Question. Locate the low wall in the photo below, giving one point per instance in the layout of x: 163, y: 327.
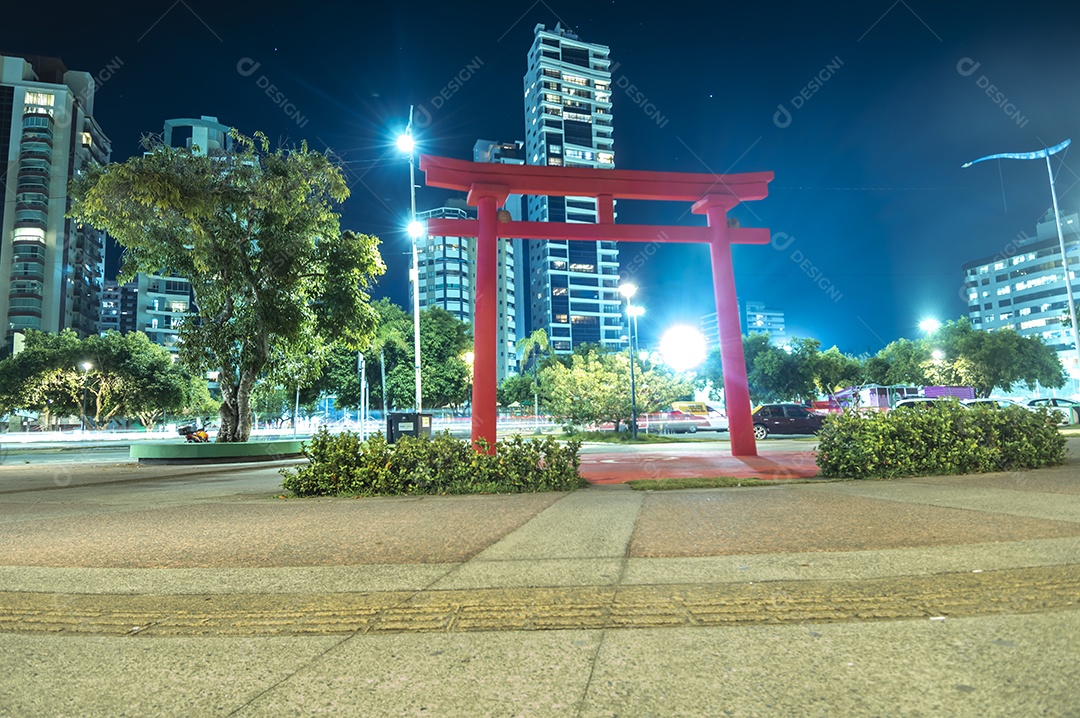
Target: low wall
x: 214, y: 453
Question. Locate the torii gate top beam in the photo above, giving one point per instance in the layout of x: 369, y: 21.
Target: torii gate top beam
x: 466, y: 176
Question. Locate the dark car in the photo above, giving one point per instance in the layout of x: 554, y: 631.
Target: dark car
x: 785, y: 419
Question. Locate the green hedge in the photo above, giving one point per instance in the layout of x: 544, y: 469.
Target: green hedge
x: 341, y: 464
x: 947, y: 438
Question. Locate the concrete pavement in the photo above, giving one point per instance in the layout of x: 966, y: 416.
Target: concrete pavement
x: 138, y: 591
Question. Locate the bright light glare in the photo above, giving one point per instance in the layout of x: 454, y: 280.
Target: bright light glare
x: 628, y: 290
x: 87, y: 366
x: 929, y: 325
x: 405, y: 143
x: 938, y: 355
x: 634, y: 310
x: 416, y: 229
x: 682, y: 348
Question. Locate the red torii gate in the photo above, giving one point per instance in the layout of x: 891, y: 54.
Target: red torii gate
x: 489, y: 184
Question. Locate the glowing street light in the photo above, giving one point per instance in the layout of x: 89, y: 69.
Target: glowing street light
x: 929, y: 325
x: 406, y: 144
x: 938, y: 355
x: 682, y: 348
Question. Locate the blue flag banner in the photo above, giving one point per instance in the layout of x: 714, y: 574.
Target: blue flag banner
x: 1038, y: 155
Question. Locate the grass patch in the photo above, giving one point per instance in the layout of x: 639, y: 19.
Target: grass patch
x: 717, y: 482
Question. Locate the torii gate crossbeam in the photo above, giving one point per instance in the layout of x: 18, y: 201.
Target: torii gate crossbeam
x: 489, y: 184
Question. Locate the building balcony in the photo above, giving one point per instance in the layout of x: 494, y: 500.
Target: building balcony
x: 24, y: 312
x: 32, y: 136
x: 35, y: 111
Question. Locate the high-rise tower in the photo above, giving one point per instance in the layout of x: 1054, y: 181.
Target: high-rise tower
x: 51, y: 268
x: 574, y: 285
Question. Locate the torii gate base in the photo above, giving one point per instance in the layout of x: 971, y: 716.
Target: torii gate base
x: 488, y: 186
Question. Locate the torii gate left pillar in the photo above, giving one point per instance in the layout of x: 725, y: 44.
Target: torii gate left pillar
x: 488, y: 199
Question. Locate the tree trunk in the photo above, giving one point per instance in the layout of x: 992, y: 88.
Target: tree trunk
x: 235, y: 411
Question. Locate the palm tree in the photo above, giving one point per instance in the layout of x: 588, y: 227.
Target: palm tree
x: 530, y: 349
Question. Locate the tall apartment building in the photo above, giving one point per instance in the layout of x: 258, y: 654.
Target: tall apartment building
x: 574, y: 285
x: 762, y: 319
x: 118, y: 306
x: 758, y: 318
x: 149, y: 304
x: 1023, y: 287
x: 51, y: 268
x: 448, y: 280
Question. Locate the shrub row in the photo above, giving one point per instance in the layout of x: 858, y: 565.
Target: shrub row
x: 341, y: 464
x: 943, y: 439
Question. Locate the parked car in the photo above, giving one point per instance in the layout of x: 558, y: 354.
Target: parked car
x: 672, y: 422
x: 916, y: 402
x: 716, y: 419
x: 1069, y: 407
x: 998, y: 403
x: 785, y: 419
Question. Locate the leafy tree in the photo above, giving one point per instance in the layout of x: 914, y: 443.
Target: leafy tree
x: 271, y: 402
x: 775, y: 374
x: 120, y: 375
x: 444, y: 375
x: 901, y: 363
x: 391, y: 338
x: 588, y: 391
x: 516, y: 388
x: 44, y: 376
x: 595, y: 389
x: 531, y: 352
x: 987, y: 360
x: 274, y: 278
x: 834, y: 371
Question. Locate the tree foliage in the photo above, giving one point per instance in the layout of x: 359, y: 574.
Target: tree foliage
x: 955, y: 355
x: 120, y: 375
x: 444, y: 375
x: 986, y: 361
x: 255, y: 232
x: 776, y: 374
x: 594, y: 388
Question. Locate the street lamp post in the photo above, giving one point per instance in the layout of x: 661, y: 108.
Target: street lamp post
x: 1045, y: 154
x: 406, y: 144
x: 86, y: 367
x: 632, y: 313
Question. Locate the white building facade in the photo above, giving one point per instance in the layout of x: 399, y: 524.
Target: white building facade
x: 150, y: 304
x: 51, y: 268
x: 448, y: 280
x: 1023, y: 287
x: 573, y: 285
x: 763, y: 319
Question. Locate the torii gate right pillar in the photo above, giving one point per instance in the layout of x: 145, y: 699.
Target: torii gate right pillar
x: 732, y: 358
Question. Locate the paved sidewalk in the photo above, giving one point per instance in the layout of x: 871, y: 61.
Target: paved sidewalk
x: 193, y: 591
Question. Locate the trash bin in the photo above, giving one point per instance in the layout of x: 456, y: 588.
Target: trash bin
x: 399, y: 424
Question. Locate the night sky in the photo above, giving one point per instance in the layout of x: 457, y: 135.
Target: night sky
x: 882, y: 103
